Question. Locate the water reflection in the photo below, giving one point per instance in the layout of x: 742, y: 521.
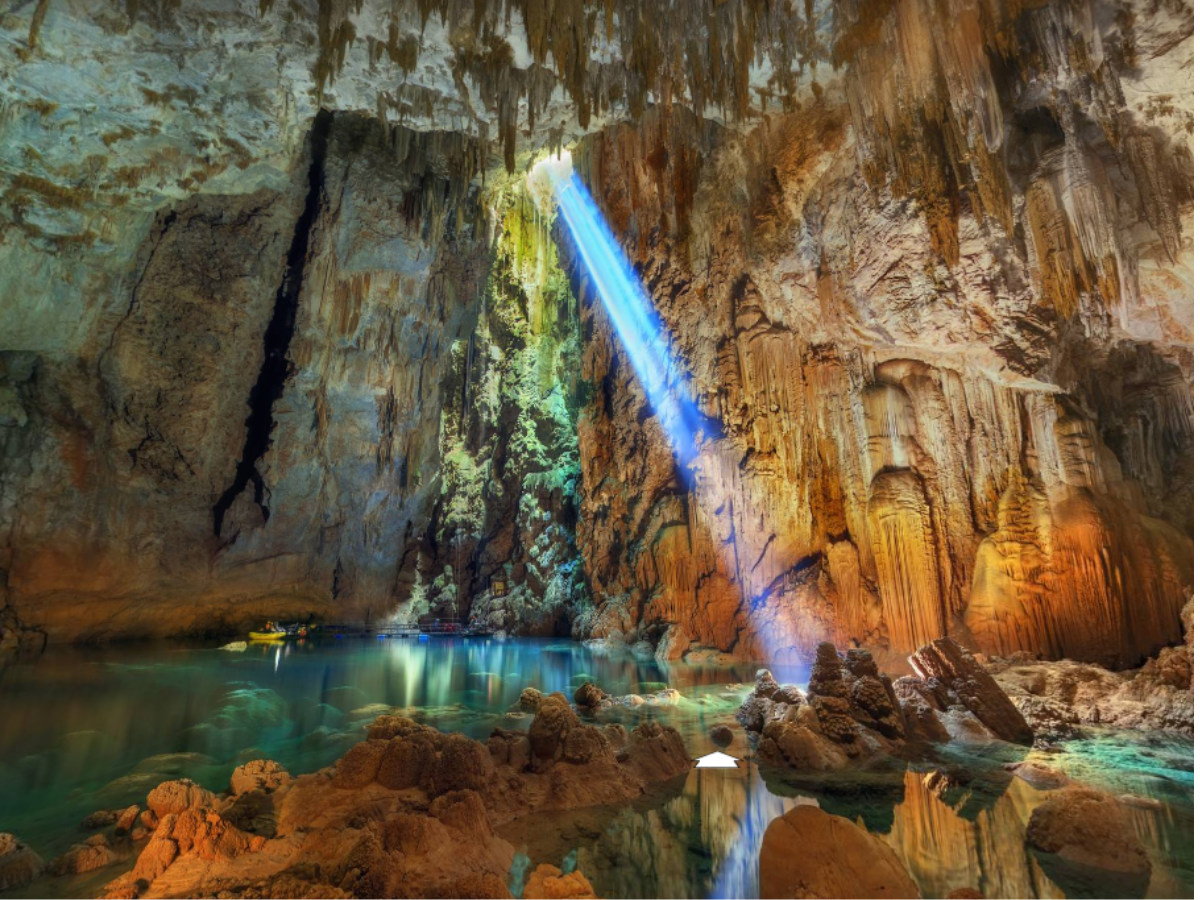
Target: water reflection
x: 703, y: 837
x: 91, y: 727
x: 85, y: 729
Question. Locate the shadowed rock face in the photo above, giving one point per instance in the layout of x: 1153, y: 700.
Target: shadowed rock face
x: 226, y: 442
x: 927, y: 279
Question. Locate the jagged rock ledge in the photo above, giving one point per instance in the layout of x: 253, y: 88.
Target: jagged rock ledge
x: 409, y: 811
x: 852, y: 714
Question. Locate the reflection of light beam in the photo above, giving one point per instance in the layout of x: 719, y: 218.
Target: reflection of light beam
x: 738, y: 872
x: 633, y: 317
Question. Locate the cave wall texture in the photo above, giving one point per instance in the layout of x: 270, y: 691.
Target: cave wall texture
x: 282, y: 331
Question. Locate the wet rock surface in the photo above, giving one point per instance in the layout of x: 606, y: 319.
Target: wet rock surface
x: 410, y: 810
x: 809, y: 853
x: 953, y: 668
x: 19, y: 864
x: 1088, y: 844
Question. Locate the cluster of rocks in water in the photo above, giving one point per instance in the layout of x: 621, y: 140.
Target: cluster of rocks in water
x: 852, y: 715
x: 852, y: 712
x: 410, y: 811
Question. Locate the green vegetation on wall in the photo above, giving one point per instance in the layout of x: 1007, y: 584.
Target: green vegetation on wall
x: 505, y: 528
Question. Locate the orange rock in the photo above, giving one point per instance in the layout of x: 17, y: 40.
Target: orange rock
x: 177, y: 796
x: 549, y: 883
x: 258, y: 775
x: 809, y: 853
x: 19, y: 864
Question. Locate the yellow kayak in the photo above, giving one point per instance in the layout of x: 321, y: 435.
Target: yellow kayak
x: 267, y: 635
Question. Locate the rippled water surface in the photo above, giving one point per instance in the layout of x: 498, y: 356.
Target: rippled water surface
x: 90, y: 729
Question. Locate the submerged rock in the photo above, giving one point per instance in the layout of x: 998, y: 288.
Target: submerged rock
x: 1089, y: 845
x: 408, y: 812
x: 19, y: 864
x: 588, y: 696
x: 807, y: 853
x: 721, y: 735
x: 101, y: 818
x: 94, y: 853
x: 1040, y: 775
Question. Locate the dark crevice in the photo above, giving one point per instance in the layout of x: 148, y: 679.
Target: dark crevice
x: 277, y: 338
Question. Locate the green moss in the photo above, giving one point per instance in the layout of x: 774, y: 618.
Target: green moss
x: 510, y: 452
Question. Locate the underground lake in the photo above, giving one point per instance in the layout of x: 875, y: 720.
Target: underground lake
x: 98, y: 728
x: 564, y: 449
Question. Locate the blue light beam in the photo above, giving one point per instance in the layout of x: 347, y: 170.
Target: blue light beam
x: 637, y: 325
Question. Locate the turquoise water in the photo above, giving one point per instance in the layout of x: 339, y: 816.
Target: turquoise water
x: 85, y: 729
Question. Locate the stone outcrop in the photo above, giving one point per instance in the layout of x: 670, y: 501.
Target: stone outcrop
x: 809, y: 853
x: 849, y: 716
x: 1087, y: 842
x: 19, y: 864
x: 954, y: 669
x: 1058, y: 697
x: 410, y: 811
x: 172, y: 797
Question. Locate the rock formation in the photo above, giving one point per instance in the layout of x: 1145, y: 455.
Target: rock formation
x: 294, y: 339
x: 867, y: 479
x: 408, y: 812
x: 1087, y: 843
x: 1057, y: 697
x: 809, y: 853
x: 851, y: 714
x: 952, y: 668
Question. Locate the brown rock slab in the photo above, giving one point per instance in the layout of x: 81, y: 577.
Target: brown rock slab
x: 19, y: 864
x: 808, y: 853
x: 952, y: 666
x: 1088, y: 844
x: 127, y: 819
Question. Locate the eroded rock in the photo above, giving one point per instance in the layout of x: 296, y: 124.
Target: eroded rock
x: 1088, y: 843
x: 409, y: 811
x: 961, y: 674
x: 19, y: 864
x: 258, y: 775
x: 808, y: 853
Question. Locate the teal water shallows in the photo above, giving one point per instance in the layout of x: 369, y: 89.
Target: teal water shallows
x: 85, y: 729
